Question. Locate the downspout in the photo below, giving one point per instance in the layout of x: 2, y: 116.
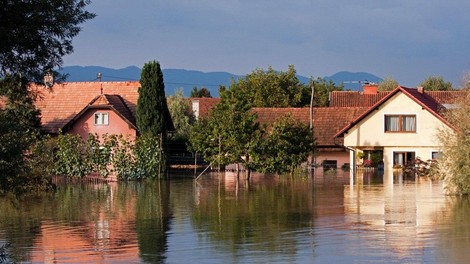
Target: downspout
x: 354, y: 155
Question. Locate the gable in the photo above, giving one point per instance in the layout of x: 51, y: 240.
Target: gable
x: 63, y: 102
x: 369, y: 129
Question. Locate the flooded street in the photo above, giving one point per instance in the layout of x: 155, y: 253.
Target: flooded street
x: 218, y: 219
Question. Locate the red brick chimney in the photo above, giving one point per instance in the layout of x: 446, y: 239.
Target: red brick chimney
x: 370, y: 88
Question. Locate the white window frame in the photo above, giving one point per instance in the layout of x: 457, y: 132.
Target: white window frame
x: 101, y: 118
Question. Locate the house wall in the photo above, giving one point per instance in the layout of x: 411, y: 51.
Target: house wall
x: 340, y: 156
x: 116, y: 125
x: 370, y: 132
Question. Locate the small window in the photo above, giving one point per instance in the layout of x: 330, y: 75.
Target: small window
x: 101, y: 119
x: 436, y: 155
x: 330, y: 164
x: 400, y: 123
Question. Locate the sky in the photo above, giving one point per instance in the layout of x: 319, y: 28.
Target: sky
x: 407, y: 40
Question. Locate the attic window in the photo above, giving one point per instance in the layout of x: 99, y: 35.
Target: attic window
x: 101, y: 119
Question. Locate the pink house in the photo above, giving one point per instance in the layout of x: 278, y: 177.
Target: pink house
x: 90, y: 107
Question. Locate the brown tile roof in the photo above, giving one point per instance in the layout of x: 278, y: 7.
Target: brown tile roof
x: 206, y: 104
x: 359, y: 99
x: 424, y: 99
x: 354, y: 99
x: 329, y: 120
x: 326, y: 120
x: 267, y: 115
x: 61, y: 104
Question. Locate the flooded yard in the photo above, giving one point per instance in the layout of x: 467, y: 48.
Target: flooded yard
x: 322, y: 218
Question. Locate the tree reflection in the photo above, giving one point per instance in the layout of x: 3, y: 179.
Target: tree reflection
x: 153, y: 217
x: 263, y: 216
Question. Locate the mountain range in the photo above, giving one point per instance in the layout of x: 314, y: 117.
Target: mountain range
x: 175, y: 79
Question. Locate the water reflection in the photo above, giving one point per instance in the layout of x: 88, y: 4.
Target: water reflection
x: 322, y: 218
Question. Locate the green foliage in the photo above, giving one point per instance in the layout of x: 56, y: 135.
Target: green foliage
x: 70, y: 156
x: 321, y: 91
x: 181, y: 114
x: 99, y: 153
x: 19, y: 129
x: 436, y: 83
x: 37, y: 34
x: 271, y: 88
x: 111, y: 154
x: 388, y: 84
x: 231, y: 133
x: 151, y: 105
x: 454, y: 166
x: 228, y: 134
x: 285, y: 147
x: 200, y: 93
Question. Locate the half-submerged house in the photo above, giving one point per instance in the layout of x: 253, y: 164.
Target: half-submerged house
x: 91, y: 107
x: 399, y: 126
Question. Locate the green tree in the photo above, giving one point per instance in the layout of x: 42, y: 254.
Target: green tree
x: 272, y: 88
x: 200, y: 93
x: 321, y: 91
x: 388, y: 84
x: 228, y: 135
x: 151, y: 117
x: 285, y: 147
x: 232, y: 134
x: 151, y: 104
x: 35, y: 36
x: 454, y: 166
x: 181, y: 114
x: 436, y: 83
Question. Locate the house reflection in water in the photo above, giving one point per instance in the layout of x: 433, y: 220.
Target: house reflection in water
x: 401, y: 212
x: 95, y: 238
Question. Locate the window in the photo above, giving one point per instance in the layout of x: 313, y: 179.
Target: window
x: 101, y: 118
x: 400, y: 123
x: 330, y: 164
x: 436, y: 155
x: 401, y: 159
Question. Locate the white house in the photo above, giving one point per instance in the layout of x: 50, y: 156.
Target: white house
x: 400, y: 127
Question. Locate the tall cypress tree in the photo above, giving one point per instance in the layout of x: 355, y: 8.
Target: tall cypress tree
x: 152, y: 102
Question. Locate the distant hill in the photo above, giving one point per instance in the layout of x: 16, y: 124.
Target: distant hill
x: 186, y: 79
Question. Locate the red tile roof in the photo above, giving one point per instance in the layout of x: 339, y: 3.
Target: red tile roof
x: 326, y: 120
x: 424, y: 99
x: 206, y: 104
x: 359, y: 99
x: 63, y: 102
x: 267, y: 115
x: 354, y: 99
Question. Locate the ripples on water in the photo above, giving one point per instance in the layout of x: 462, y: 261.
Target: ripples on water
x: 321, y: 219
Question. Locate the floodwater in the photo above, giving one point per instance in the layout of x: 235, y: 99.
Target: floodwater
x: 326, y: 218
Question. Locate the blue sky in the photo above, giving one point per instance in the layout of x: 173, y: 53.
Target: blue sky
x: 407, y: 40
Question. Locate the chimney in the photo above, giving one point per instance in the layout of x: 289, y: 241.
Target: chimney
x: 420, y: 89
x: 370, y: 88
